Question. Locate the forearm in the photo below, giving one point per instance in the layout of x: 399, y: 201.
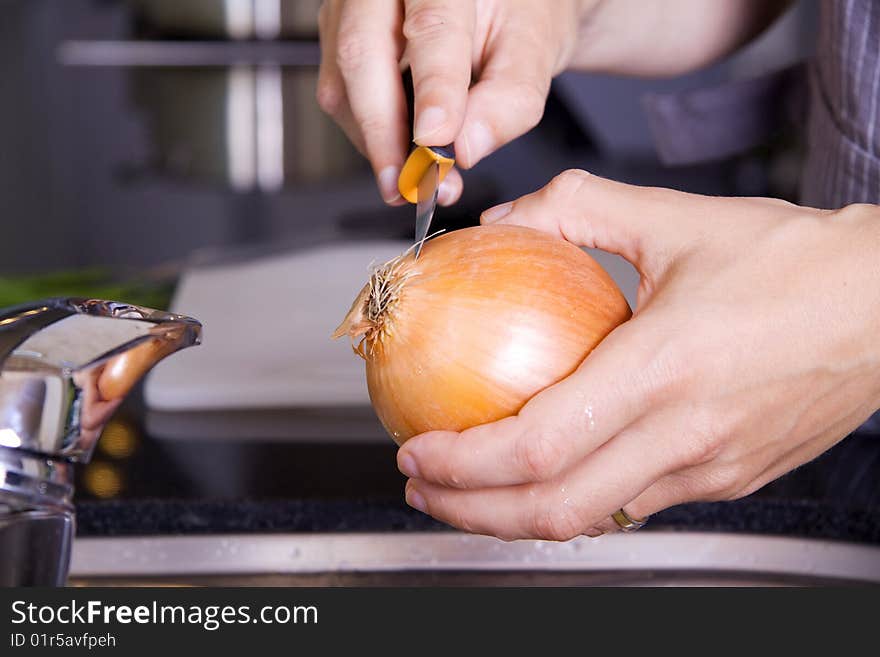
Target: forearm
x: 666, y: 38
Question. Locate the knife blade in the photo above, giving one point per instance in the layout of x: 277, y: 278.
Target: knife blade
x: 426, y: 204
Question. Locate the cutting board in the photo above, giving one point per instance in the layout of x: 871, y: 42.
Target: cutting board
x: 267, y: 325
x: 266, y: 337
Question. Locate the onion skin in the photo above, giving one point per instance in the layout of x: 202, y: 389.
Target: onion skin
x: 486, y: 318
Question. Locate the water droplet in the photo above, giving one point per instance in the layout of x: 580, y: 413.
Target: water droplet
x: 591, y: 421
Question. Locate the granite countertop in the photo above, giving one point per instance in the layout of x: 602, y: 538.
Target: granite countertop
x: 802, y: 518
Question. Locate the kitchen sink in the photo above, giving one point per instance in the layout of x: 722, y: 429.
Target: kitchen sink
x: 649, y: 558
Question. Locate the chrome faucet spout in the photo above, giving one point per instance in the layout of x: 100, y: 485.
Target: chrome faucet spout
x: 65, y: 366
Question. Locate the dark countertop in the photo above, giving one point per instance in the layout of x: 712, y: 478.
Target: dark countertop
x: 802, y: 518
x: 202, y: 486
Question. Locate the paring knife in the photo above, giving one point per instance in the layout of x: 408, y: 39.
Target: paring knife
x: 419, y: 179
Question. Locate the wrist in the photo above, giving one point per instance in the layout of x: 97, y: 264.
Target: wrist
x: 593, y: 49
x: 577, y: 16
x: 865, y: 222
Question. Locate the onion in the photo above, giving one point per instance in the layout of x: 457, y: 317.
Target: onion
x: 484, y: 319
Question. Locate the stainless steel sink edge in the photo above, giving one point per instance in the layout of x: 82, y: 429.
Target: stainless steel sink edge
x: 293, y: 554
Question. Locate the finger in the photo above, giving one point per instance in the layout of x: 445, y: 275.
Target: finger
x: 439, y: 42
x: 509, y: 98
x: 330, y: 91
x: 670, y: 490
x: 342, y: 115
x: 616, y: 473
x: 645, y: 225
x: 720, y: 480
x: 450, y: 189
x: 501, y: 512
x: 368, y: 48
x: 554, y: 430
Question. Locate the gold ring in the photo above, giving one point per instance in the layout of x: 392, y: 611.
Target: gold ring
x: 626, y: 522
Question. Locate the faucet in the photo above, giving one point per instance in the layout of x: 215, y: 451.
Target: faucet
x: 66, y: 364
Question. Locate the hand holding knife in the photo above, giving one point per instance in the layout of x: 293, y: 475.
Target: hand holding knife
x: 421, y: 175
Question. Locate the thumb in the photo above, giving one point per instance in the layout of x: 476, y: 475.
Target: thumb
x: 642, y: 224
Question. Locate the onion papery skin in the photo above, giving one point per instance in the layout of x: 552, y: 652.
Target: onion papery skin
x: 482, y: 321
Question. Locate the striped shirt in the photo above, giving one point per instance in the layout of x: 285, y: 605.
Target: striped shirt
x: 843, y: 138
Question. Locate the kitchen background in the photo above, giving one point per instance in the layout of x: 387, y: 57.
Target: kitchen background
x: 154, y: 146
x: 172, y: 154
x: 108, y: 161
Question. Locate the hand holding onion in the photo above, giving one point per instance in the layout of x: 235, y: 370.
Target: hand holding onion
x: 753, y: 350
x: 481, y: 322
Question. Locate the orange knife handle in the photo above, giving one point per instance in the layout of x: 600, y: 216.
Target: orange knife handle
x: 420, y: 158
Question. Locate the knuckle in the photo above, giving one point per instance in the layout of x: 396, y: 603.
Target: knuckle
x: 425, y: 22
x: 667, y: 373
x: 557, y: 523
x: 855, y: 212
x: 567, y: 184
x: 532, y: 100
x: 438, y: 83
x: 374, y: 127
x: 705, y: 439
x: 449, y: 476
x: 683, y: 486
x: 330, y: 97
x: 352, y: 49
x: 539, y: 455
x: 726, y: 483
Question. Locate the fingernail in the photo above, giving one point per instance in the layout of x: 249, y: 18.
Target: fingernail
x: 414, y: 498
x: 429, y: 121
x: 497, y: 213
x: 478, y: 142
x: 444, y: 194
x: 387, y: 180
x: 407, y: 465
